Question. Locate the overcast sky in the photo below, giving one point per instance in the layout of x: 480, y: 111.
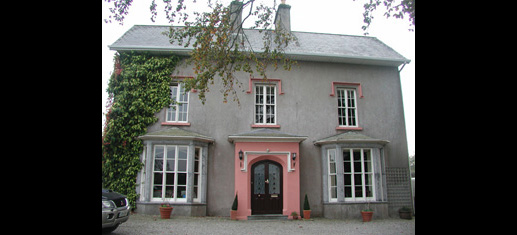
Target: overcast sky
x: 323, y: 16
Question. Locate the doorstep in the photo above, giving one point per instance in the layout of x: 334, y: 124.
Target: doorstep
x: 267, y: 217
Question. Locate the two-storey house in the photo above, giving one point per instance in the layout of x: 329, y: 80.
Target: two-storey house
x: 332, y: 128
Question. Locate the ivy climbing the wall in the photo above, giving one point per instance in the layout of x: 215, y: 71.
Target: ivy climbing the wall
x: 138, y: 88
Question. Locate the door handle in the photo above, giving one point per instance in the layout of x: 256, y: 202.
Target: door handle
x: 267, y: 181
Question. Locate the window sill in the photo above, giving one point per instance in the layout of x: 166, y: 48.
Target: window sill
x: 265, y: 126
x: 171, y: 203
x: 175, y: 123
x: 356, y: 202
x: 349, y: 128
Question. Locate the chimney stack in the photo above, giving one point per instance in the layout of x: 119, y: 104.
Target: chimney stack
x: 236, y: 15
x: 283, y: 17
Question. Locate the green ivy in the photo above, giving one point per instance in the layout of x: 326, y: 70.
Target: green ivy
x: 138, y: 88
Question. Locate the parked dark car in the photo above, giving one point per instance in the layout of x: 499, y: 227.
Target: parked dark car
x: 115, y: 210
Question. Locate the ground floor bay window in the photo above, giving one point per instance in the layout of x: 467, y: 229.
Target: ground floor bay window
x: 358, y: 175
x: 170, y: 173
x: 354, y: 170
x: 352, y: 174
x: 174, y: 172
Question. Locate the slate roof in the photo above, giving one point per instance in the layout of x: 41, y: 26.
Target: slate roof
x: 175, y: 133
x: 310, y: 46
x: 349, y: 137
x: 266, y: 135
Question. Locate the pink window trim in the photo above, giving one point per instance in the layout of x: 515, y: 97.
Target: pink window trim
x: 265, y: 126
x: 360, y: 89
x: 269, y: 79
x: 349, y: 128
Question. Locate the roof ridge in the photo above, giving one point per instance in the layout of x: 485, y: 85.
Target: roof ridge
x: 296, y: 31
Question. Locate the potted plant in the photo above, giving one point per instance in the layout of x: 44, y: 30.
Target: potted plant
x: 367, y: 214
x: 405, y: 213
x: 306, y: 208
x: 294, y: 214
x: 165, y: 211
x: 233, y: 213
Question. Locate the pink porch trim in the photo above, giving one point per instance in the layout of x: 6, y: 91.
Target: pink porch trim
x: 360, y: 89
x: 250, y: 88
x: 279, y: 152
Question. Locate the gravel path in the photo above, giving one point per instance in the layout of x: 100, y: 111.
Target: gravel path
x: 147, y: 224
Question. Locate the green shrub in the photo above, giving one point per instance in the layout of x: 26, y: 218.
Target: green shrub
x: 306, y: 205
x: 235, y: 203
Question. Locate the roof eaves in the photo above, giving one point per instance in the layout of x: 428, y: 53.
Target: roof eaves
x: 164, y: 137
x: 175, y: 133
x: 350, y: 141
x: 148, y: 48
x: 349, y: 137
x: 348, y: 59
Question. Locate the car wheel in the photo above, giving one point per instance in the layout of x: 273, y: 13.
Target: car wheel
x: 110, y: 229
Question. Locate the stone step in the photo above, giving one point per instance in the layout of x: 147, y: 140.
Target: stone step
x: 267, y: 217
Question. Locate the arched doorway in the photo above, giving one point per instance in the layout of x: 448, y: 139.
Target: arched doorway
x: 266, y: 188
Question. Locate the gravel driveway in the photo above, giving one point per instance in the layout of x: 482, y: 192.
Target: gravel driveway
x: 147, y: 224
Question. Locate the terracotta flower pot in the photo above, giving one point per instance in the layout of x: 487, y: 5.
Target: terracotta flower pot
x: 306, y: 214
x: 405, y: 214
x: 233, y: 215
x: 367, y: 216
x: 165, y: 212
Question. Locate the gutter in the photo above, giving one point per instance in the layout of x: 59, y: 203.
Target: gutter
x: 351, y: 141
x: 346, y: 59
x: 317, y: 57
x: 403, y: 65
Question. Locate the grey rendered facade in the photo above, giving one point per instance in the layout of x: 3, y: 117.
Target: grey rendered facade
x: 307, y: 106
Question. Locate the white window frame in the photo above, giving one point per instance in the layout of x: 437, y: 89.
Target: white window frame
x: 197, y: 197
x: 173, y: 113
x: 353, y: 171
x: 164, y: 171
x: 330, y: 174
x: 346, y: 108
x: 264, y: 104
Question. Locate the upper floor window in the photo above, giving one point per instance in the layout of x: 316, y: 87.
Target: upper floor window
x: 265, y: 104
x: 346, y: 107
x: 179, y: 111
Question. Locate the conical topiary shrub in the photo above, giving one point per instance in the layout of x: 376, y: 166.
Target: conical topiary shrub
x: 233, y: 213
x: 306, y: 208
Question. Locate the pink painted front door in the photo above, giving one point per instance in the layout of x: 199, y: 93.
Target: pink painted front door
x: 266, y: 188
